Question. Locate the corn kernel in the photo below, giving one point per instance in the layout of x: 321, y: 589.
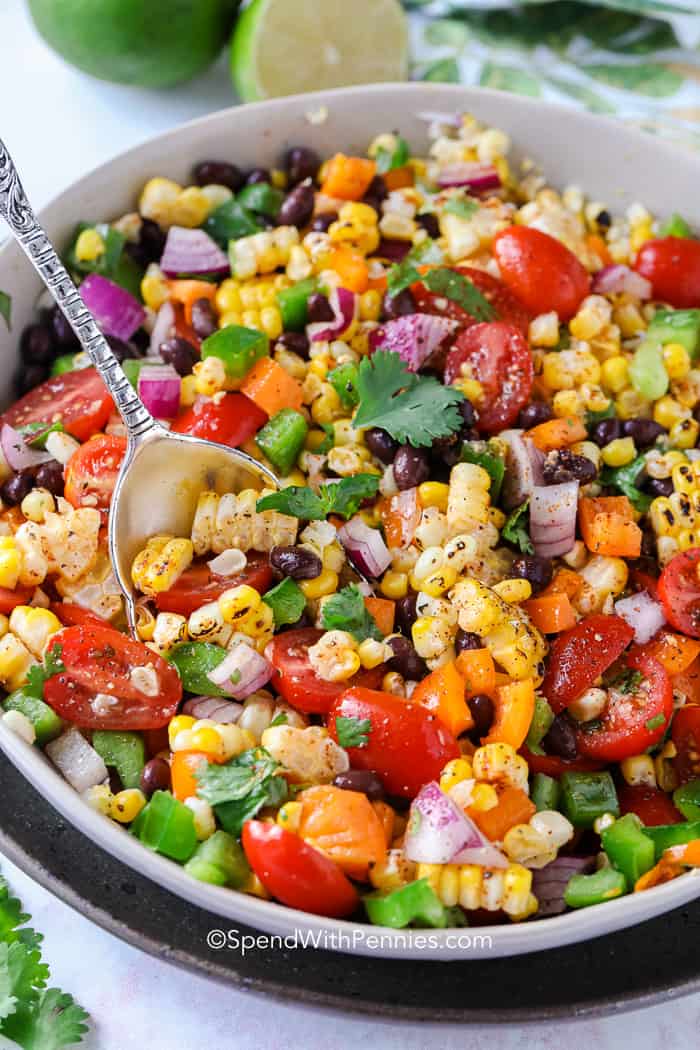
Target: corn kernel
x: 567, y: 403
x: 514, y: 590
x: 207, y: 740
x: 614, y: 374
x: 154, y: 289
x: 289, y: 816
x: 394, y: 585
x: 178, y: 724
x: 237, y: 603
x: 433, y: 494
x: 10, y: 562
x: 191, y: 208
x: 372, y: 653
x: 639, y: 769
x: 684, y: 433
x: 321, y: 586
x: 668, y: 411
x: 456, y: 770
x: 228, y: 296
x: 89, y: 246
x: 204, y: 820
x: 484, y: 798
x: 676, y: 360
x: 439, y: 581
x: 619, y: 452
x: 99, y: 797
x: 126, y: 805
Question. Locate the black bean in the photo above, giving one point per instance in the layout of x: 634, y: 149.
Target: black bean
x: 16, y: 487
x: 36, y: 346
x: 203, y: 318
x: 363, y: 780
x: 256, y: 175
x: 399, y: 305
x: 29, y: 376
x: 531, y: 567
x: 533, y: 414
x: 376, y: 193
x: 406, y: 614
x: 561, y: 738
x: 482, y: 711
x: 658, y: 486
x: 141, y: 340
x: 466, y: 641
x: 563, y: 465
x: 155, y: 776
x: 323, y: 220
x: 297, y: 342
x: 297, y: 207
x: 466, y: 410
x: 447, y: 455
x: 218, y: 173
x: 179, y: 353
x: 297, y: 562
x: 63, y: 334
x: 151, y: 240
x: 605, y: 431
x: 604, y: 218
x: 318, y: 308
x: 411, y: 467
x: 50, y: 476
x: 301, y: 163
x: 406, y: 660
x: 121, y: 349
x: 643, y: 432
x: 429, y: 222
x: 381, y: 444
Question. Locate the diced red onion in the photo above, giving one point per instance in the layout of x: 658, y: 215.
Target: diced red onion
x: 486, y: 856
x: 414, y: 337
x: 17, y: 452
x: 159, y: 389
x: 213, y: 707
x: 439, y: 832
x: 549, y: 883
x: 254, y: 671
x: 553, y: 518
x: 192, y: 252
x: 228, y: 562
x: 163, y: 328
x: 392, y: 249
x: 365, y: 547
x: 644, y: 615
x: 472, y: 174
x: 115, y: 310
x: 76, y: 760
x: 344, y: 306
x: 523, y: 468
x: 618, y: 278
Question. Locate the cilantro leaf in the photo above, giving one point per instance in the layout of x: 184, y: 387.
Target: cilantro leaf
x: 460, y: 290
x: 241, y: 787
x: 625, y: 479
x: 412, y: 408
x: 346, y: 611
x: 39, y: 674
x: 352, y: 732
x: 6, y: 309
x: 287, y: 602
x: 280, y: 719
x: 655, y: 723
x: 463, y: 207
x: 628, y: 681
x: 403, y: 274
x: 387, y: 160
x: 296, y: 500
x: 515, y: 530
x: 480, y: 452
x: 53, y: 1022
x: 329, y: 440
x: 341, y: 497
x: 22, y: 975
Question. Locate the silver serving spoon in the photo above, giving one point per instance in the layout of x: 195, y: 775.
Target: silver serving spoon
x: 163, y: 473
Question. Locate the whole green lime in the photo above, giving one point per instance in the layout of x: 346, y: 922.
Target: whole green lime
x: 148, y: 43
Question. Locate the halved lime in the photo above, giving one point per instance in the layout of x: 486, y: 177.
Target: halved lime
x: 281, y: 47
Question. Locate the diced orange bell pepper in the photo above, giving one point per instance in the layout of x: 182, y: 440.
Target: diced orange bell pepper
x: 386, y: 816
x: 598, y: 247
x: 565, y: 581
x: 663, y: 871
x: 271, y: 388
x: 382, y: 611
x: 515, y: 706
x: 378, y: 284
x: 478, y: 670
x: 442, y: 692
x: 400, y: 516
x: 514, y: 807
x: 343, y: 825
x: 182, y: 768
x: 187, y: 291
x: 350, y: 267
x: 348, y: 177
x: 399, y: 178
x: 608, y: 527
x: 687, y: 853
x: 688, y: 682
x: 557, y: 433
x: 550, y: 613
x: 674, y: 651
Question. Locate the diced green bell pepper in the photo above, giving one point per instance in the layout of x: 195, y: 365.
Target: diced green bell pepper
x: 293, y: 303
x: 47, y: 724
x: 230, y: 221
x: 676, y: 326
x: 603, y: 885
x: 586, y: 796
x: 166, y: 826
x: 343, y: 379
x: 686, y: 798
x: 282, y: 438
x: 219, y: 860
x: 239, y: 348
x: 40, y: 431
x: 132, y: 367
x: 287, y: 602
x: 628, y: 848
x: 545, y: 793
x: 666, y: 835
x: 194, y: 661
x: 123, y: 750
x: 62, y: 364
x: 542, y: 719
x: 262, y: 198
x: 416, y: 902
x: 676, y: 227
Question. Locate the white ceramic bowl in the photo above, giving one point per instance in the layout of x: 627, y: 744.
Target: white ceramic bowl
x: 610, y: 162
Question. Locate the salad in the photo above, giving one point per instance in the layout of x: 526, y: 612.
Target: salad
x: 448, y: 672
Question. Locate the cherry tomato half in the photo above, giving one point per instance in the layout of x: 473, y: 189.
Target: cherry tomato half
x: 500, y: 359
x: 295, y: 873
x: 541, y: 271
x: 553, y: 766
x: 91, y: 472
x: 407, y: 745
x: 685, y: 734
x: 679, y: 591
x: 634, y: 720
x: 295, y: 679
x: 9, y: 600
x: 199, y: 585
x: 579, y: 656
x: 78, y: 399
x: 652, y: 805
x: 230, y: 421
x: 672, y: 264
x: 72, y: 615
x: 102, y: 660
x: 507, y: 307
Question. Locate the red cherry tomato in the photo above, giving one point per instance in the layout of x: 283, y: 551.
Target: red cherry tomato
x: 199, y: 585
x: 9, y: 600
x: 295, y: 679
x: 672, y: 264
x: 652, y: 806
x: 679, y: 591
x: 91, y: 472
x: 72, y: 615
x: 101, y: 660
x: 541, y: 271
x: 508, y: 308
x: 644, y: 581
x: 297, y: 874
x: 553, y: 766
x: 685, y: 734
x: 407, y: 746
x: 78, y: 399
x: 230, y: 421
x: 632, y: 721
x: 579, y: 656
x: 500, y: 359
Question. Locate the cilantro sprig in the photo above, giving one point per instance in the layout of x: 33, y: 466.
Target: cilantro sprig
x: 39, y: 674
x: 411, y: 408
x: 240, y: 788
x: 625, y: 479
x: 516, y: 531
x: 460, y: 290
x: 387, y: 160
x: 352, y: 732
x: 403, y: 274
x: 343, y: 497
x: 346, y: 611
x: 461, y: 206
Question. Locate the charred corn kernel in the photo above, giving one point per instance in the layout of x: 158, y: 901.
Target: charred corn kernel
x: 10, y: 562
x: 523, y: 844
x: 334, y: 657
x: 473, y: 887
x: 567, y: 403
x: 513, y: 641
x: 629, y: 404
x: 603, y: 576
x: 178, y: 724
x: 434, y: 494
x: 392, y: 872
x: 326, y: 583
x: 169, y: 630
x: 661, y: 464
x: 237, y: 603
x: 34, y: 627
x: 668, y: 411
x: 437, y: 583
x: 209, y: 376
x: 684, y: 433
x: 308, y: 755
x: 89, y: 246
x: 544, y: 330
x: 347, y: 460
x: 431, y: 636
x: 629, y: 319
x: 327, y: 407
x: 99, y: 797
x: 614, y: 374
x: 157, y: 568
x: 619, y: 452
x: 370, y: 305
x: 394, y: 585
x: 484, y: 798
x: 567, y: 369
x: 372, y: 653
x: 154, y: 288
x: 500, y: 763
x: 639, y: 769
x: 676, y: 360
x: 126, y: 805
x: 456, y: 770
x: 289, y: 816
x: 514, y: 590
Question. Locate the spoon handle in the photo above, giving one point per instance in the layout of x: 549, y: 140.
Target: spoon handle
x: 30, y: 235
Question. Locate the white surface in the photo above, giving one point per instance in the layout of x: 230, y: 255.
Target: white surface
x: 58, y: 124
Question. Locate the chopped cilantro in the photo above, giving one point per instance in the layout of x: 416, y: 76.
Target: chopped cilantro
x: 329, y: 440
x: 352, y: 732
x: 463, y: 207
x: 604, y: 413
x: 6, y: 309
x: 628, y: 681
x: 460, y: 290
x: 346, y: 611
x: 412, y: 408
x: 625, y: 479
x: 515, y: 529
x: 280, y: 719
x: 342, y: 497
x: 387, y: 160
x: 241, y: 787
x: 480, y: 452
x: 655, y: 723
x: 287, y: 602
x: 427, y: 253
x: 38, y: 674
